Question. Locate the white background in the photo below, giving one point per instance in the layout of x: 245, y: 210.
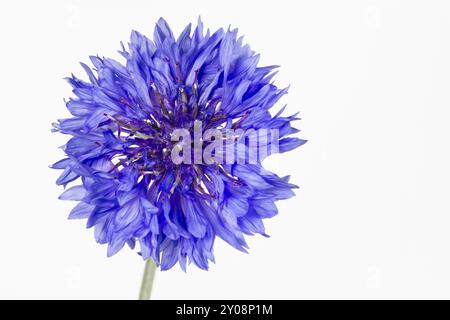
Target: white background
x: 371, y: 80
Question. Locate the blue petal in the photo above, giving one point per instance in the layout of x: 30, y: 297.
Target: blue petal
x: 76, y: 193
x: 162, y: 32
x: 236, y: 206
x: 61, y: 164
x: 81, y: 211
x: 265, y: 208
x: 170, y: 255
x: 249, y: 177
x: 128, y: 212
x: 195, y: 223
x: 115, y: 246
x: 89, y: 73
x: 67, y: 176
x: 288, y: 144
x: 79, y: 108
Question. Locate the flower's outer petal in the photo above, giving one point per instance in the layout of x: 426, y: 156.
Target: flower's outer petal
x: 226, y: 51
x: 250, y: 177
x: 184, y: 39
x: 162, y: 32
x: 251, y: 223
x: 204, y: 54
x: 170, y: 229
x: 81, y: 211
x: 76, y: 193
x: 94, y: 119
x: 61, y: 164
x: 237, y: 206
x: 196, y: 225
x: 89, y: 73
x: 288, y: 144
x: 128, y: 212
x: 79, y: 108
x: 265, y: 208
x: 220, y: 229
x: 140, y: 84
x: 114, y: 247
x: 68, y: 175
x: 170, y: 255
x: 70, y: 125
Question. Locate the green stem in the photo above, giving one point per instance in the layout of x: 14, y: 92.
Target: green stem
x: 147, y: 280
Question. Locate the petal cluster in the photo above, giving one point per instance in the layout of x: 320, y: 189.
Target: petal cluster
x: 118, y: 158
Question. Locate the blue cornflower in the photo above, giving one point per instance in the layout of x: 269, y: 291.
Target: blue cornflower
x: 121, y: 147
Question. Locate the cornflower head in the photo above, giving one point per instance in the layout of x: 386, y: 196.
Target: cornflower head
x: 167, y: 148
